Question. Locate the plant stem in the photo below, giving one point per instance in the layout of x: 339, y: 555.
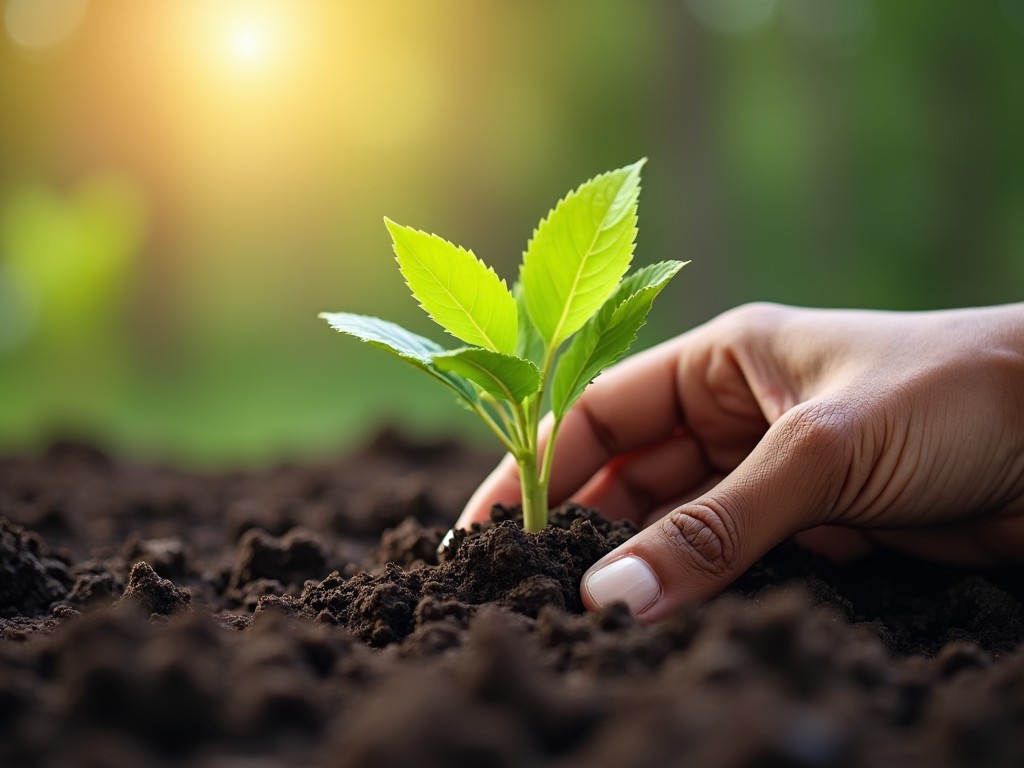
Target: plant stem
x: 549, y: 454
x: 533, y: 479
x: 511, y: 425
x: 535, y: 493
x: 497, y: 430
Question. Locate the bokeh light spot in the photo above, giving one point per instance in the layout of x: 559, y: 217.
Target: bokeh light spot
x: 41, y: 24
x: 733, y: 17
x: 829, y: 19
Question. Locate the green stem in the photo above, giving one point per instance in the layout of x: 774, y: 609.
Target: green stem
x: 549, y: 454
x: 535, y: 494
x: 526, y: 429
x: 497, y: 430
x: 533, y: 479
x: 513, y: 426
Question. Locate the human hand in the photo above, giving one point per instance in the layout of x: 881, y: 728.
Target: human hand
x: 853, y: 427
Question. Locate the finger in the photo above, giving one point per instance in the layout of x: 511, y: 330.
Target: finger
x: 630, y: 406
x: 790, y: 482
x: 634, y: 484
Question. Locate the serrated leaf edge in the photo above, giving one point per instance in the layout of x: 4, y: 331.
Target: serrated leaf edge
x: 491, y: 344
x: 639, y: 164
x: 607, y: 320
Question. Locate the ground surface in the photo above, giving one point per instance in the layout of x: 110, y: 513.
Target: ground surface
x: 299, y: 616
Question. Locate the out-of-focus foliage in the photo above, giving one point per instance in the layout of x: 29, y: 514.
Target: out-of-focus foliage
x: 184, y: 185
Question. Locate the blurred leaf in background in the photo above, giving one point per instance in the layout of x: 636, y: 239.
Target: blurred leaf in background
x: 70, y: 256
x: 184, y: 185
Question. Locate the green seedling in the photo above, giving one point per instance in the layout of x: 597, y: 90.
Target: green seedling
x: 537, y: 346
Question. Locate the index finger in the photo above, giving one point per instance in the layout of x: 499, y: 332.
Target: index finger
x: 629, y: 406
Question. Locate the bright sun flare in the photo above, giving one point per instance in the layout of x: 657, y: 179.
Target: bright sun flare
x: 249, y: 42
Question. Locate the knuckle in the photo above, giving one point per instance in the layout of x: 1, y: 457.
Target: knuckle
x: 754, y: 314
x: 822, y: 428
x: 820, y: 439
x: 747, y: 325
x: 704, y: 537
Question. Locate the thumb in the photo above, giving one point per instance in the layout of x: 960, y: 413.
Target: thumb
x: 791, y: 481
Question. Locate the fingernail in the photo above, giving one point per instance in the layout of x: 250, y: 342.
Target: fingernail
x: 446, y: 540
x: 628, y: 579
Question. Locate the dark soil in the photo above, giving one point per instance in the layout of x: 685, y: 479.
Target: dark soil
x: 300, y: 616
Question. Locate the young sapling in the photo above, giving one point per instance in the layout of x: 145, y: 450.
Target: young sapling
x: 537, y: 346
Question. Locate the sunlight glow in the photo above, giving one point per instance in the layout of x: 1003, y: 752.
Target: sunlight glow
x: 249, y: 42
x: 247, y: 36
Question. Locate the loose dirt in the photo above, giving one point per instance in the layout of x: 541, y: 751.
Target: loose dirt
x: 301, y: 616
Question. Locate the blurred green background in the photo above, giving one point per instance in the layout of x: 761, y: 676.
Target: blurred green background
x: 183, y: 186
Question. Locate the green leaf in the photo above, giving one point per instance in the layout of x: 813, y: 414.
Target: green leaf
x: 407, y: 345
x: 459, y: 292
x: 607, y: 336
x: 385, y: 334
x: 529, y: 344
x: 578, y: 254
x: 506, y: 377
x: 652, y: 276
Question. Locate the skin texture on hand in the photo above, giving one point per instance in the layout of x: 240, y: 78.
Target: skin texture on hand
x: 848, y: 428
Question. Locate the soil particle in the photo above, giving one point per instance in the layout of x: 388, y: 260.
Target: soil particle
x: 92, y: 589
x: 30, y: 579
x: 410, y: 544
x: 290, y: 559
x: 153, y: 594
x: 169, y: 556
